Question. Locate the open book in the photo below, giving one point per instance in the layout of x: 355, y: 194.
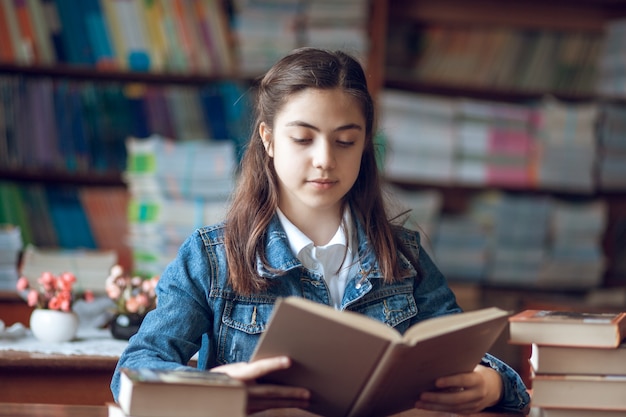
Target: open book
x: 357, y: 366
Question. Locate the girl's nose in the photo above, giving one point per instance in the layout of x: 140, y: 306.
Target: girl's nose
x: 323, y: 155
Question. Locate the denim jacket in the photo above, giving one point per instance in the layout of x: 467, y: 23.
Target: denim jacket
x: 199, y: 312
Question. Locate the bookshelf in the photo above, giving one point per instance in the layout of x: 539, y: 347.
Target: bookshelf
x: 394, y: 29
x: 431, y: 49
x: 132, y: 69
x: 77, y: 80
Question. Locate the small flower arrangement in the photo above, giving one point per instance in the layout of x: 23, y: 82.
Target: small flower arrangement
x: 131, y: 294
x: 55, y: 292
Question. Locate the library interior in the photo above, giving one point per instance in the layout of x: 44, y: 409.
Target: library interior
x: 501, y: 136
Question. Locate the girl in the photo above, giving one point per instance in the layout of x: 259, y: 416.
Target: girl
x: 307, y: 219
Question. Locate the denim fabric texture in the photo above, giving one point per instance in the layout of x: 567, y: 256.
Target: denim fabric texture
x: 198, y: 311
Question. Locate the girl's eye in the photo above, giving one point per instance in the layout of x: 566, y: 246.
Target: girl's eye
x: 345, y: 143
x: 301, y: 140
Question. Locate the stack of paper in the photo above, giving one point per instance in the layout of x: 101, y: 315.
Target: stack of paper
x: 175, y: 187
x: 10, y: 247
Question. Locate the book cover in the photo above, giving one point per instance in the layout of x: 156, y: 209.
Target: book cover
x: 172, y: 393
x: 45, y: 49
x: 567, y: 328
x: 135, y: 52
x: 591, y: 392
x: 38, y: 213
x: 357, y: 366
x: 176, y: 27
x: 15, y: 37
x: 568, y: 412
x: 74, y: 33
x: 27, y: 31
x: 55, y: 29
x: 578, y: 360
x: 218, y: 34
x: 7, y: 53
x: 152, y: 13
x: 118, y: 42
x: 89, y: 266
x: 178, y: 58
x: 69, y: 218
x: 98, y: 33
x: 191, y: 24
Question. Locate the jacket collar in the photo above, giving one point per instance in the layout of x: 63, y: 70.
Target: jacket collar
x: 280, y: 256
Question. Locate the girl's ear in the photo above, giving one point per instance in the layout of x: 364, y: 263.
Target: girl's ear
x: 266, y: 137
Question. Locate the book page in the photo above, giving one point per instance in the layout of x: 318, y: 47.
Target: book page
x: 452, y: 322
x: 409, y: 369
x: 330, y: 357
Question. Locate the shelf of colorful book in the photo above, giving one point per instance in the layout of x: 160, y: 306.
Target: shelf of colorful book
x: 505, y: 51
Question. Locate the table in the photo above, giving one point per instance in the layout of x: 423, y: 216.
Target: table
x: 64, y: 410
x: 77, y: 372
x: 32, y: 377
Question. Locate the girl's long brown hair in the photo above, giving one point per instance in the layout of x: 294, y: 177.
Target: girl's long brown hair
x: 256, y: 197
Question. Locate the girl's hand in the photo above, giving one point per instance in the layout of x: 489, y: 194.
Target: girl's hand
x: 266, y: 396
x: 464, y: 393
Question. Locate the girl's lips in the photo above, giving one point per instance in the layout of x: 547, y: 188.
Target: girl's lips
x: 322, y: 183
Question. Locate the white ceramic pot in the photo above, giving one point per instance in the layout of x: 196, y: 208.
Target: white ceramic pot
x: 53, y: 326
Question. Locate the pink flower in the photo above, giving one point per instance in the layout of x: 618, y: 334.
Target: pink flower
x: 47, y: 281
x: 22, y: 284
x: 55, y: 292
x: 113, y: 291
x: 131, y: 294
x: 54, y: 303
x: 132, y: 306
x: 33, y: 298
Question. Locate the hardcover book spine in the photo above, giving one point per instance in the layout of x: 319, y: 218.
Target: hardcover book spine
x: 42, y: 31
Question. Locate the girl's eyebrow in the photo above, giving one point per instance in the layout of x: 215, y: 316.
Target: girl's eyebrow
x: 300, y: 123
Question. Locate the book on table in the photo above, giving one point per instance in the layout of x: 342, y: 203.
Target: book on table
x: 568, y: 412
x: 546, y: 359
x: 589, y: 392
x: 174, y: 393
x: 357, y: 366
x: 567, y: 328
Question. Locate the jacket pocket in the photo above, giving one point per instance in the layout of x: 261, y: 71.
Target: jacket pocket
x: 394, y: 308
x: 243, y: 322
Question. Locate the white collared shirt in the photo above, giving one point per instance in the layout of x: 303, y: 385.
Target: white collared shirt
x: 327, y: 260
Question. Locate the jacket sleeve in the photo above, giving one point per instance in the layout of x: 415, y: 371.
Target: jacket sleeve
x: 172, y: 333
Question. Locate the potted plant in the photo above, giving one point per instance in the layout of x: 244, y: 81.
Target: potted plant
x: 134, y: 296
x: 53, y: 319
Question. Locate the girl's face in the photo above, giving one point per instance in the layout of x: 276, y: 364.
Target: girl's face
x: 316, y: 146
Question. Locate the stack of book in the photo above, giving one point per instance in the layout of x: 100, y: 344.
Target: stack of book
x: 461, y: 247
x: 567, y: 145
x: 519, y: 246
x: 265, y: 30
x: 175, y: 187
x: 10, y: 248
x: 575, y: 258
x: 420, y: 133
x: 171, y: 393
x: 550, y: 145
x: 612, y: 147
x: 91, y: 267
x: 578, y: 361
x: 611, y: 73
x: 495, y: 143
x: 338, y: 25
